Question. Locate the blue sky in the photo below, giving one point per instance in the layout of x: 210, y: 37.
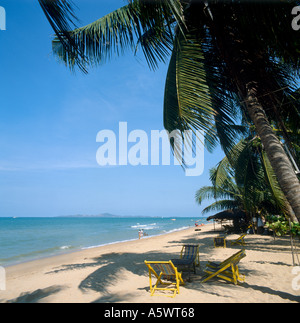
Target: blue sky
x: 49, y: 119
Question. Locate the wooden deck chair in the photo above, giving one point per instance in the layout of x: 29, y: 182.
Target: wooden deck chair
x: 227, y: 269
x: 164, y: 271
x: 190, y: 252
x: 240, y: 241
x: 189, y: 258
x: 226, y: 261
x: 220, y: 242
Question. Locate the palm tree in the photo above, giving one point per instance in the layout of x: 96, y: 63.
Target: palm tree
x: 243, y: 180
x: 228, y: 198
x: 224, y: 54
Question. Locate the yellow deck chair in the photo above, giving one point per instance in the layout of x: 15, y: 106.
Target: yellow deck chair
x: 189, y: 258
x: 164, y: 271
x: 240, y: 241
x: 191, y: 251
x: 227, y: 269
x: 226, y: 261
x: 220, y: 242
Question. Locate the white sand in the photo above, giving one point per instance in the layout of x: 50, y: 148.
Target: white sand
x: 117, y: 273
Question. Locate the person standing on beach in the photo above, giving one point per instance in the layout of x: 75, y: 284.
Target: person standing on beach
x: 141, y: 233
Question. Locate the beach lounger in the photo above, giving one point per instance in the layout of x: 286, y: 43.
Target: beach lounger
x: 189, y: 258
x: 215, y: 265
x: 166, y: 274
x: 240, y: 241
x: 220, y: 242
x: 227, y: 269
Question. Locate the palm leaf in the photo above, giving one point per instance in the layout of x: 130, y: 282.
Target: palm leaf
x: 197, y: 96
x: 140, y: 23
x: 62, y: 19
x: 98, y: 40
x: 187, y: 103
x: 212, y: 192
x: 222, y: 205
x: 226, y: 168
x: 273, y: 183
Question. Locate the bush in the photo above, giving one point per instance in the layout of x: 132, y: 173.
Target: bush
x: 280, y: 225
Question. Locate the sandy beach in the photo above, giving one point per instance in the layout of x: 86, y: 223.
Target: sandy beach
x: 117, y: 273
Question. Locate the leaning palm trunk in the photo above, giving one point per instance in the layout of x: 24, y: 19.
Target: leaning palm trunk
x: 281, y: 165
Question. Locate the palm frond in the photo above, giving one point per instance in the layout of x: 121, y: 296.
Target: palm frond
x: 205, y: 192
x: 197, y: 93
x: 214, y: 192
x: 187, y: 103
x: 62, y: 19
x: 60, y: 15
x: 226, y: 168
x: 99, y: 40
x: 271, y: 27
x: 273, y: 183
x: 140, y: 23
x: 221, y: 205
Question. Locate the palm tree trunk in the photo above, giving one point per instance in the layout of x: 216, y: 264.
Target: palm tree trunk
x: 282, y: 166
x: 291, y: 212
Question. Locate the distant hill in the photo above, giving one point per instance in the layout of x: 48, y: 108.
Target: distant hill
x: 102, y: 215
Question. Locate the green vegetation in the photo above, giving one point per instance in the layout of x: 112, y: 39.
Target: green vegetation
x: 244, y: 180
x: 281, y: 226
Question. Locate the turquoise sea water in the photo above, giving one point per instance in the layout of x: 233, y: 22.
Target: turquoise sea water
x: 25, y: 239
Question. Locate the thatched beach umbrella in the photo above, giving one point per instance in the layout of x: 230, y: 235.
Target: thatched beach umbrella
x: 236, y: 215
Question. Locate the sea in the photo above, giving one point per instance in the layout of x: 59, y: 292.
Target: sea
x: 26, y: 239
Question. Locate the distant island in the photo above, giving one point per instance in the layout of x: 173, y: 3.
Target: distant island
x: 102, y: 215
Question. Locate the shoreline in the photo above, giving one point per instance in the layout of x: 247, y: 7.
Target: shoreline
x: 116, y: 273
x: 54, y: 239
x: 75, y: 250
x: 80, y: 252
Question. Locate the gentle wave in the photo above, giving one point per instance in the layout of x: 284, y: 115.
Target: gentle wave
x: 138, y: 226
x: 145, y: 237
x: 178, y: 229
x: 66, y: 247
x: 107, y: 244
x: 150, y: 226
